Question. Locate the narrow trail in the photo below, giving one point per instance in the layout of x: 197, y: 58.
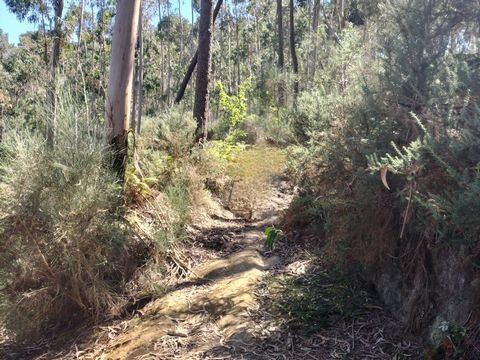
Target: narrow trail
x: 226, y: 308
x: 208, y: 315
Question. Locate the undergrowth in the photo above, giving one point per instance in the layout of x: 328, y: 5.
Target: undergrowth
x: 75, y: 245
x: 63, y: 236
x: 316, y: 300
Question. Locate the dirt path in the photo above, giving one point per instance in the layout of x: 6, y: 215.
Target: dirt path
x: 214, y: 306
x: 244, y: 302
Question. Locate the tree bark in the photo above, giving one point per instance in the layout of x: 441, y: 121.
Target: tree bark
x: 292, y: 48
x: 117, y: 107
x: 341, y: 14
x: 181, y: 25
x: 140, y: 74
x: 162, y: 56
x: 200, y: 108
x: 315, y: 24
x: 193, y: 62
x: 237, y: 41
x: 281, y: 58
x: 57, y: 34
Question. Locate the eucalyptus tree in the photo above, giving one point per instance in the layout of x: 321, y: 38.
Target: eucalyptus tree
x: 118, y: 103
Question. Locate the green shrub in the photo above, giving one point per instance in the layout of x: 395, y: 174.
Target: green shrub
x: 63, y: 238
x: 233, y: 113
x: 175, y: 133
x: 377, y: 81
x: 318, y: 300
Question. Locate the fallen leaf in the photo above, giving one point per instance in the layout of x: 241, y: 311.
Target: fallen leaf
x: 383, y: 176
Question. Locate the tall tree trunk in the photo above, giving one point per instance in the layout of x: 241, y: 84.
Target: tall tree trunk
x: 162, y: 55
x: 193, y: 23
x: 193, y: 62
x: 281, y: 58
x: 135, y: 84
x: 315, y: 23
x: 181, y: 25
x: 136, y: 117
x: 200, y: 108
x: 292, y: 48
x: 117, y: 107
x: 57, y: 33
x: 140, y: 74
x: 55, y: 57
x: 169, y: 60
x: 257, y: 37
x: 231, y: 74
x: 237, y: 41
x: 341, y: 14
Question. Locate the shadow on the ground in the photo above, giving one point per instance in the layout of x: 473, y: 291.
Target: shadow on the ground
x: 308, y: 312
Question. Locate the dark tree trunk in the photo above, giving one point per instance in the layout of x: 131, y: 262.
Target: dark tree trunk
x: 315, y: 23
x: 193, y: 62
x: 137, y: 106
x: 237, y: 41
x: 281, y: 58
x: 186, y: 78
x: 316, y: 15
x: 57, y: 35
x: 341, y: 14
x: 200, y: 108
x: 292, y: 47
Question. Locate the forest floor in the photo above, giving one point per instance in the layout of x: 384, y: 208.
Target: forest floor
x: 242, y: 301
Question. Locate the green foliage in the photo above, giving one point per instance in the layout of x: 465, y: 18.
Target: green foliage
x: 394, y: 103
x: 308, y: 211
x: 449, y: 207
x: 365, y: 106
x: 234, y: 112
x: 448, y: 339
x: 165, y: 179
x: 175, y: 133
x: 317, y: 300
x: 62, y: 234
x: 224, y: 150
x: 274, y: 127
x: 272, y: 236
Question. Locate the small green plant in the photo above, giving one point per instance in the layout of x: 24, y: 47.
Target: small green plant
x: 234, y: 112
x: 224, y: 151
x: 448, y: 338
x: 273, y: 235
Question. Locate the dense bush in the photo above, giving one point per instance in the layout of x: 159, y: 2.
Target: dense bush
x: 71, y: 242
x: 62, y: 234
x: 398, y: 103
